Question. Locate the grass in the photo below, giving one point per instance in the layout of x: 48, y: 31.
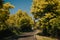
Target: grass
x: 44, y: 38
x: 40, y: 37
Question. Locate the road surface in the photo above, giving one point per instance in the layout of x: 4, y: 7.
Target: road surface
x: 24, y: 36
x: 28, y: 36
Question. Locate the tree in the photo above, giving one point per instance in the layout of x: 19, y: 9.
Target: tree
x: 46, y: 10
x: 4, y: 15
x: 1, y: 3
x: 7, y: 6
x: 23, y: 19
x: 20, y: 21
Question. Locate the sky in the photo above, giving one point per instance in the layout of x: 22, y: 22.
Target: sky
x: 24, y: 5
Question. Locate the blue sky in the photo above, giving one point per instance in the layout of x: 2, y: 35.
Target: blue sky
x: 24, y: 5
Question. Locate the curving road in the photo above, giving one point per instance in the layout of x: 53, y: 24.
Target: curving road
x: 28, y: 36
x: 24, y: 36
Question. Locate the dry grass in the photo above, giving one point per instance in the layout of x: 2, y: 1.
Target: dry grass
x: 44, y: 38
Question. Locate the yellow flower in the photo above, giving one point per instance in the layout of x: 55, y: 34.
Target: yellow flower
x: 7, y: 6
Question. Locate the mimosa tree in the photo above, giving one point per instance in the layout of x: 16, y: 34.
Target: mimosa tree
x: 4, y: 15
x: 21, y: 21
x: 46, y: 10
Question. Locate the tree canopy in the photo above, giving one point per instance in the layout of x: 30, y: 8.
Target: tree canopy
x: 48, y: 13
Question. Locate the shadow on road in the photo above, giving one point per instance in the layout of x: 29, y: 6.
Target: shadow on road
x: 23, y: 36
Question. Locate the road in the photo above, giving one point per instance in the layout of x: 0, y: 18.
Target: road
x: 28, y: 36
x: 24, y: 36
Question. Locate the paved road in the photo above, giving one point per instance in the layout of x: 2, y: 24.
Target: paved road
x: 24, y: 36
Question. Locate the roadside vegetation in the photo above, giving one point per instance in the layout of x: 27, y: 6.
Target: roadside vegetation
x: 46, y: 12
x: 13, y: 24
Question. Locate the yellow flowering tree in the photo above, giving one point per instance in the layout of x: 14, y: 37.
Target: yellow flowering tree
x: 21, y: 21
x: 46, y: 11
x: 24, y: 21
x: 4, y: 15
